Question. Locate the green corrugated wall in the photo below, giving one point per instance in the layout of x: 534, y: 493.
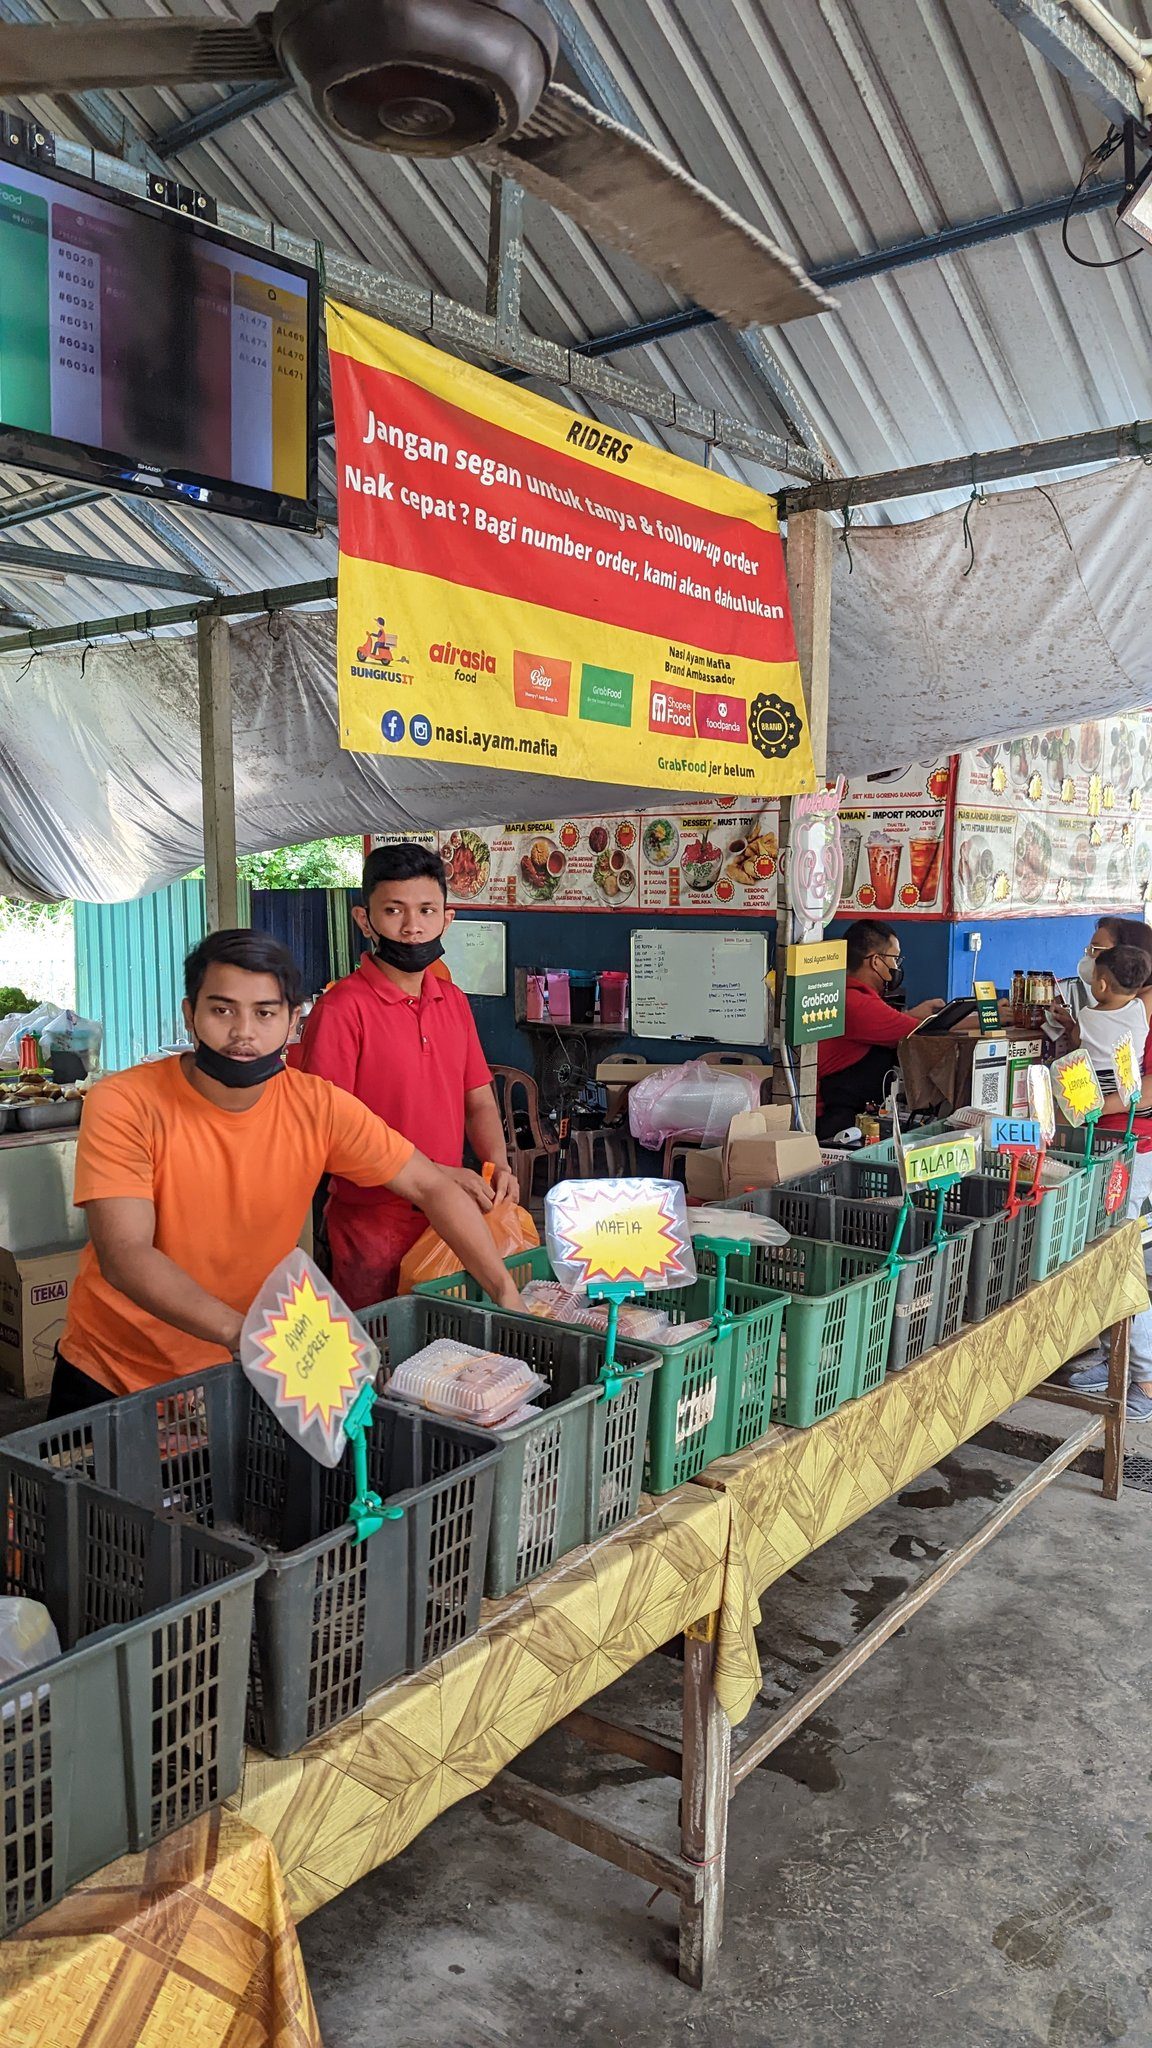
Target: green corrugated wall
x: 130, y: 967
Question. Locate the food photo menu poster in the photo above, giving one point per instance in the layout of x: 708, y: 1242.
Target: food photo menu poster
x: 1056, y: 820
x: 722, y: 859
x: 893, y: 831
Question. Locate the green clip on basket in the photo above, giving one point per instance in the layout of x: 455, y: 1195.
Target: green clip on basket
x: 569, y: 1475
x: 713, y: 1393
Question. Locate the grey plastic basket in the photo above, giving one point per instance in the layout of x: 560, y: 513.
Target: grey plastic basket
x: 931, y: 1281
x: 139, y: 1726
x: 570, y: 1475
x: 334, y: 1619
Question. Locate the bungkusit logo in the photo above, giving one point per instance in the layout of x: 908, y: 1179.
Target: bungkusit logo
x: 377, y: 659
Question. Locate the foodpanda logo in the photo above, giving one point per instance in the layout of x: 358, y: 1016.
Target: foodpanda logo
x: 468, y: 663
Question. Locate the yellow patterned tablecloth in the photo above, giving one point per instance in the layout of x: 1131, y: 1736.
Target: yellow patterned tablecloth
x: 796, y: 1488
x: 189, y: 1946
x: 355, y: 1798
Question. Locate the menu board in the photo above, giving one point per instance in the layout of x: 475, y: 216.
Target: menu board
x: 893, y: 835
x: 700, y: 861
x: 700, y: 985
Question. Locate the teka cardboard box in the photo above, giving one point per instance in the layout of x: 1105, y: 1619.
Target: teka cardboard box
x: 704, y: 1175
x: 762, y: 1149
x: 34, y: 1294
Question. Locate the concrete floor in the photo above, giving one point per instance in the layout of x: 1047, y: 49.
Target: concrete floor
x: 953, y: 1854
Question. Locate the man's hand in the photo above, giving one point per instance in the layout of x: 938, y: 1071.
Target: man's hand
x: 473, y: 1184
x: 509, y: 1295
x: 931, y: 1007
x: 505, y: 1186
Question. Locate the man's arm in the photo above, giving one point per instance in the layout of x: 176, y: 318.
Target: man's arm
x: 453, y: 1213
x: 122, y: 1229
x: 486, y: 1137
x: 331, y: 1043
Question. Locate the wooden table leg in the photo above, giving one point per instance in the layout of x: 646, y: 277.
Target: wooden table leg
x: 1119, y: 1345
x: 707, y: 1737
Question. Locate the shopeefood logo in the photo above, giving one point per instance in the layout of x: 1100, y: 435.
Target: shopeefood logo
x: 377, y: 659
x: 467, y: 663
x: 773, y: 726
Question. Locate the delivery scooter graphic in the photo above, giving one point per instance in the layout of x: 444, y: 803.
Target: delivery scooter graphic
x: 379, y: 646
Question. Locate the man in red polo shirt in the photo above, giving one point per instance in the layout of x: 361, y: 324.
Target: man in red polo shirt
x: 851, y: 1070
x: 401, y: 1038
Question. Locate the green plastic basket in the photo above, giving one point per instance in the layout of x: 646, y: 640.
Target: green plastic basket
x: 713, y: 1393
x: 837, y: 1325
x: 573, y: 1472
x: 932, y: 1279
x: 1107, y: 1146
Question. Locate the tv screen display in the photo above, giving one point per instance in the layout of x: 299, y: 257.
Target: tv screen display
x: 144, y: 350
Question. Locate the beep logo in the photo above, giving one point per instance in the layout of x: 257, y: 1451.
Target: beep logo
x: 671, y: 711
x: 540, y: 683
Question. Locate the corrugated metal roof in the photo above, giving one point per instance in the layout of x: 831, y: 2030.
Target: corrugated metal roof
x: 844, y: 125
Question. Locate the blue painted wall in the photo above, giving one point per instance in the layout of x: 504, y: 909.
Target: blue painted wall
x: 937, y: 962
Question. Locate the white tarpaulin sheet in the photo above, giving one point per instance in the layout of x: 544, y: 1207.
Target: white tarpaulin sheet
x: 1049, y: 627
x: 100, y: 759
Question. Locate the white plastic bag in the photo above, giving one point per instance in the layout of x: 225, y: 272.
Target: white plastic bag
x: 12, y: 1030
x: 693, y: 1101
x: 28, y: 1636
x: 68, y: 1032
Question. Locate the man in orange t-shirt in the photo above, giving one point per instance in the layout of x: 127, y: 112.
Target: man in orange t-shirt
x: 197, y: 1174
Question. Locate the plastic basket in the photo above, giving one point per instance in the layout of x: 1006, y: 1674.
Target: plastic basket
x: 713, y: 1393
x: 571, y: 1474
x: 932, y: 1279
x: 139, y: 1726
x: 1107, y: 1145
x: 994, y: 1269
x: 837, y: 1325
x: 333, y: 1618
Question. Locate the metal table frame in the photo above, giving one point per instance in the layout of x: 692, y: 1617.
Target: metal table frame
x: 711, y: 1762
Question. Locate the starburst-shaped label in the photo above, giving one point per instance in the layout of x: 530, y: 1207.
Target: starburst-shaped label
x: 605, y: 1230
x: 306, y: 1355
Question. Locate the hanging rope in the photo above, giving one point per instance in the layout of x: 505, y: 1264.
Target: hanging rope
x: 969, y: 544
x: 84, y: 658
x: 844, y: 532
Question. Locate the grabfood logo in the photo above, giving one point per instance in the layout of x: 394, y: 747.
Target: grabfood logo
x: 467, y: 663
x: 774, y: 727
x: 377, y: 659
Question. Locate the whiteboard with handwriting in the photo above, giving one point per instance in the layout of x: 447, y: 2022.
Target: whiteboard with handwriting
x: 700, y: 985
x: 475, y: 953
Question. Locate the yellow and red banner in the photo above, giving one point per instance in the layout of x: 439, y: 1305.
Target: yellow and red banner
x: 523, y: 588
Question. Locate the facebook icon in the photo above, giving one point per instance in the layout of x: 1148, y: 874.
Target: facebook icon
x: 392, y: 727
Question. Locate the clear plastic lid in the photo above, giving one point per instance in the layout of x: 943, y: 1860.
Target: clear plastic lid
x: 458, y: 1379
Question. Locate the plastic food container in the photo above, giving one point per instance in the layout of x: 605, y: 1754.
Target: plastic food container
x: 458, y: 1379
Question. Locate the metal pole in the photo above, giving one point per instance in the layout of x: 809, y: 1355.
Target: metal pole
x: 809, y: 563
x: 216, y: 774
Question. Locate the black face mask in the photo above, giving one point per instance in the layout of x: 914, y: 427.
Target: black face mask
x: 230, y: 1073
x: 405, y: 959
x: 895, y: 974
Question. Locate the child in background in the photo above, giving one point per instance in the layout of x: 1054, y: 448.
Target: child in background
x: 1118, y: 976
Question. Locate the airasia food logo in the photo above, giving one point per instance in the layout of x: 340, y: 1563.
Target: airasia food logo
x: 472, y: 661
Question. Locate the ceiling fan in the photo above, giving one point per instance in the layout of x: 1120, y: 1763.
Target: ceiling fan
x: 446, y: 78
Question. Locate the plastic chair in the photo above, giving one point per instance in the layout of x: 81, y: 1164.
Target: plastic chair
x: 616, y: 1149
x: 530, y: 1145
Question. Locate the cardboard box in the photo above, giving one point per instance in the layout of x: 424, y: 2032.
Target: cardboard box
x: 34, y: 1294
x: 762, y: 1149
x: 704, y: 1175
x: 622, y: 1068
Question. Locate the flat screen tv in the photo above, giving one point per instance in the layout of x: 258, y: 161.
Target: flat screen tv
x: 143, y: 350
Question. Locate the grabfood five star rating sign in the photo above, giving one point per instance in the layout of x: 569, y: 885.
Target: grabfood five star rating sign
x: 814, y: 997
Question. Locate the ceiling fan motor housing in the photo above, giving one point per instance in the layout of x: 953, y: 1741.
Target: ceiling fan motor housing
x: 420, y: 77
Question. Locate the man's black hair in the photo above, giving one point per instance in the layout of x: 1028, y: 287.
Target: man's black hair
x: 1126, y: 966
x: 866, y: 936
x: 255, y: 952
x: 1127, y: 931
x: 404, y: 862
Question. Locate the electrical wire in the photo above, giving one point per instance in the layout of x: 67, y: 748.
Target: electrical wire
x: 1093, y: 164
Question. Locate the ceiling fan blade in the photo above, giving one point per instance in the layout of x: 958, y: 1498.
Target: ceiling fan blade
x: 75, y: 55
x: 627, y: 194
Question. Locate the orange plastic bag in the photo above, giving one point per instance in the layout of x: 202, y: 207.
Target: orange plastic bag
x: 431, y: 1259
